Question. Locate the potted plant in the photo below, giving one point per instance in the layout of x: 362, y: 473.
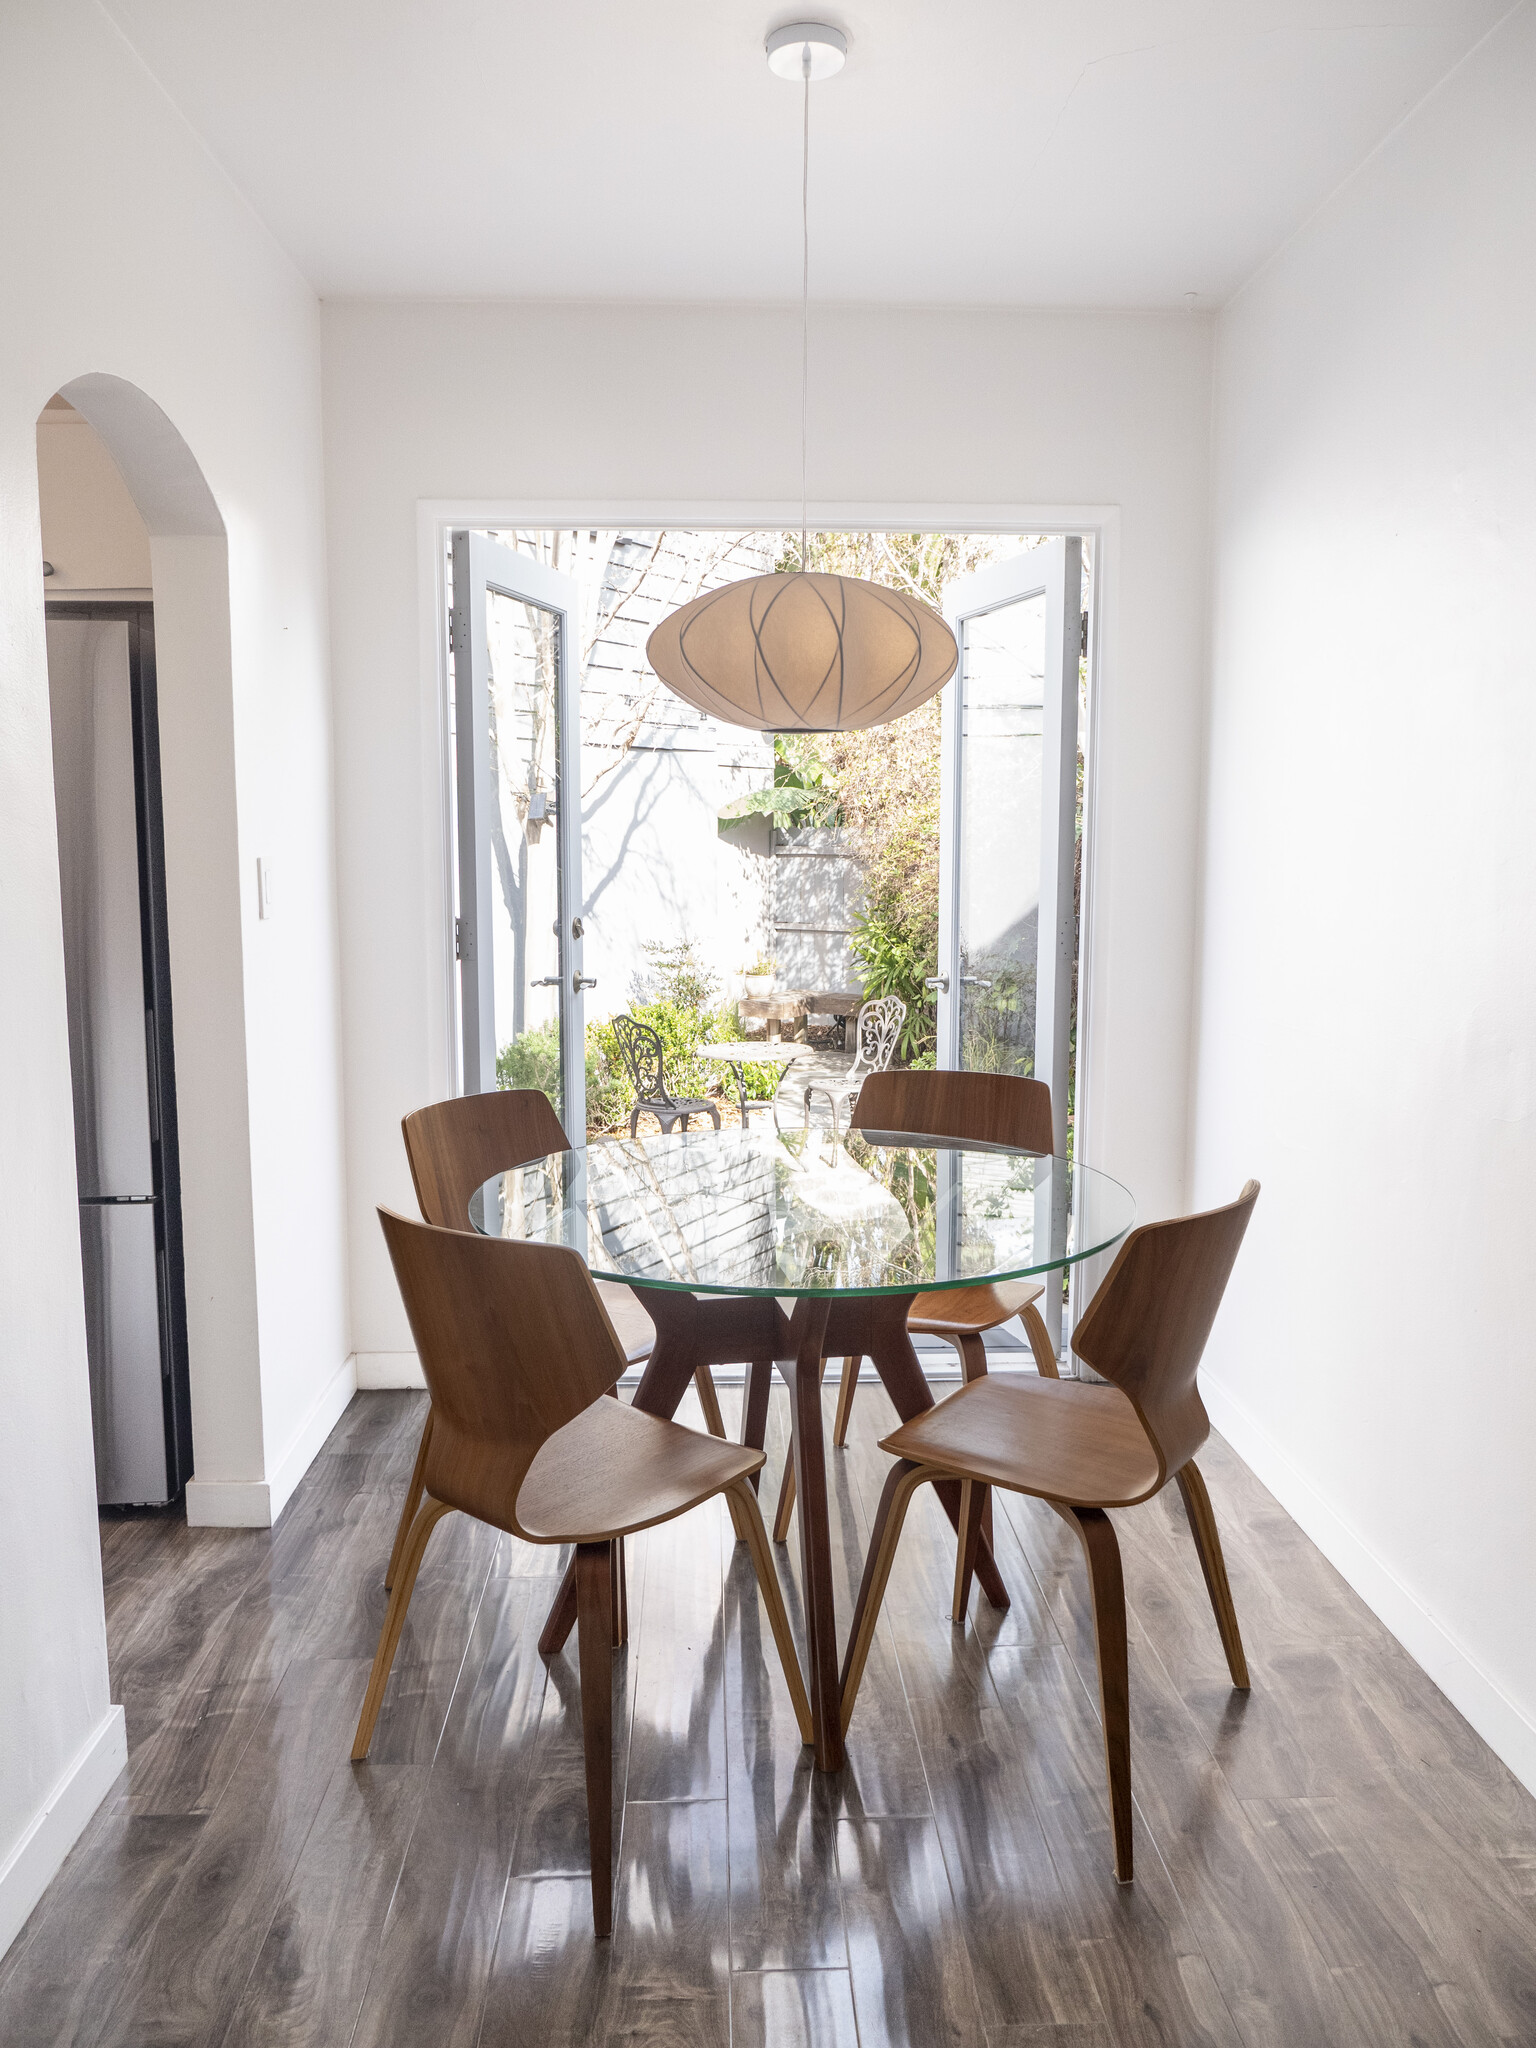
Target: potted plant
x: 760, y: 976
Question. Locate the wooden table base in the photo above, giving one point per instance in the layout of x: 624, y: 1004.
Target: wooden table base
x: 712, y: 1329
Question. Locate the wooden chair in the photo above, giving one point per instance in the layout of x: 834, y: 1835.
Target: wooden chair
x: 454, y: 1147
x: 988, y: 1109
x: 1084, y: 1448
x: 878, y: 1031
x: 646, y: 1060
x: 518, y: 1353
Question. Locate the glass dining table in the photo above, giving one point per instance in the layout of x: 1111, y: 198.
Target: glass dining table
x: 777, y: 1250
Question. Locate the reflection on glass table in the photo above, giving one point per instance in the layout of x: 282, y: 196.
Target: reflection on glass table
x: 765, y: 1212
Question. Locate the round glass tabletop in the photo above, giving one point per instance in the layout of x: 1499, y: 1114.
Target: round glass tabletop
x: 803, y: 1212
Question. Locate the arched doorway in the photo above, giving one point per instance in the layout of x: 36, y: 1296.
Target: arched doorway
x: 189, y: 582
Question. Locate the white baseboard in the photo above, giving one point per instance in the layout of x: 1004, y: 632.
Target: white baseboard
x: 383, y: 1369
x: 1508, y: 1731
x: 257, y: 1503
x: 32, y: 1865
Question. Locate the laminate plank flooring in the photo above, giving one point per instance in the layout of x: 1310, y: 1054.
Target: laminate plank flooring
x: 1333, y: 1859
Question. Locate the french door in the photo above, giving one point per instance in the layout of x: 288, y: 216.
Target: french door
x: 517, y: 741
x: 1007, y: 920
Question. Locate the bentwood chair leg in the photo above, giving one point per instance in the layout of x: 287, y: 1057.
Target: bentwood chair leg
x: 1101, y: 1549
x: 973, y: 1366
x: 1202, y: 1526
x: 413, y: 1495
x: 975, y: 1503
x: 594, y: 1633
x: 773, y: 1599
x: 1040, y: 1341
x: 786, y: 1506
x: 845, y: 1395
x: 714, y: 1421
x: 902, y: 1481
x: 394, y: 1620
x: 754, y: 1409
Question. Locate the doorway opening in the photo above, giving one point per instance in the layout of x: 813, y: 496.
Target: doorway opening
x: 618, y: 852
x: 103, y: 704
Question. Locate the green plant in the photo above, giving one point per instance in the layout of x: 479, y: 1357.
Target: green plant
x: 801, y: 793
x: 533, y: 1061
x: 763, y: 964
x: 680, y: 976
x: 896, y: 956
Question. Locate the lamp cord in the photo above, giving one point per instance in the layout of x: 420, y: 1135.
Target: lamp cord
x: 805, y: 284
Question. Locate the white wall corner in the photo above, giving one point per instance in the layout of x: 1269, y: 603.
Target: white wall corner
x: 386, y: 1369
x: 229, y: 1504
x: 1490, y: 1711
x: 257, y: 1503
x: 32, y: 1865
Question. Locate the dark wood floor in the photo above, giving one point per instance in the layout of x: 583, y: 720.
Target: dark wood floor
x: 1335, y: 1859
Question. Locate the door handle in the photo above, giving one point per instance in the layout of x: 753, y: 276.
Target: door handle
x: 973, y: 981
x: 579, y: 981
x: 546, y: 981
x: 938, y: 981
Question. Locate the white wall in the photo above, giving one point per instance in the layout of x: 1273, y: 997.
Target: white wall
x: 667, y: 412
x: 1367, y: 1027
x: 123, y: 250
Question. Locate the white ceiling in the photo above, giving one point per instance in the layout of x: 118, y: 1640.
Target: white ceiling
x: 1039, y: 152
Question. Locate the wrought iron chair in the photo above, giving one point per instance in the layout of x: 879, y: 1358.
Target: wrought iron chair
x: 642, y: 1052
x: 879, y: 1028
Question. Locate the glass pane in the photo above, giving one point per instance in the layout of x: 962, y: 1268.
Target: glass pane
x: 524, y: 645
x: 1001, y: 759
x: 804, y: 1212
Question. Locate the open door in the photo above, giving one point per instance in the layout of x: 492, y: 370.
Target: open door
x: 1007, y: 823
x: 517, y: 736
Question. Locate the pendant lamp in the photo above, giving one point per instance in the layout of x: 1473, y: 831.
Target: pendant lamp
x: 804, y: 652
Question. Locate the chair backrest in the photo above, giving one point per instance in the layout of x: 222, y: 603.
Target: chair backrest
x: 879, y: 1028
x: 990, y: 1109
x: 514, y: 1343
x: 1146, y: 1327
x: 642, y: 1053
x: 454, y: 1147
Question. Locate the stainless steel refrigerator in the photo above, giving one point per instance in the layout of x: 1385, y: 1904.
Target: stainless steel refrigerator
x: 101, y: 680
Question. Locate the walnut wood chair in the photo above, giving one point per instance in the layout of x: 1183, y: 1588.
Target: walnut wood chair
x: 454, y: 1147
x: 518, y: 1352
x: 988, y: 1109
x: 1083, y: 1448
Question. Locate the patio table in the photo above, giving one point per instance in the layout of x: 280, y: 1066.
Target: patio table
x: 749, y: 1052
x: 778, y: 1249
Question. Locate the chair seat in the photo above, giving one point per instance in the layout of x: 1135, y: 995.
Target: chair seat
x: 967, y: 1311
x: 1063, y: 1440
x: 636, y: 1331
x: 613, y: 1469
x: 680, y: 1105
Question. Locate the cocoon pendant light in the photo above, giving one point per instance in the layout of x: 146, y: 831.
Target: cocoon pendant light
x: 804, y: 652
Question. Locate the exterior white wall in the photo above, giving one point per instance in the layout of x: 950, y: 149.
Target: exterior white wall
x: 123, y: 250
x: 1367, y: 1026
x: 666, y: 413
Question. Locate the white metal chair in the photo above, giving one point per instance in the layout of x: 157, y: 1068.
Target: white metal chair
x: 879, y: 1029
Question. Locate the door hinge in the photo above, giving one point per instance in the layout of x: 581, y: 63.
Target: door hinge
x: 458, y: 938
